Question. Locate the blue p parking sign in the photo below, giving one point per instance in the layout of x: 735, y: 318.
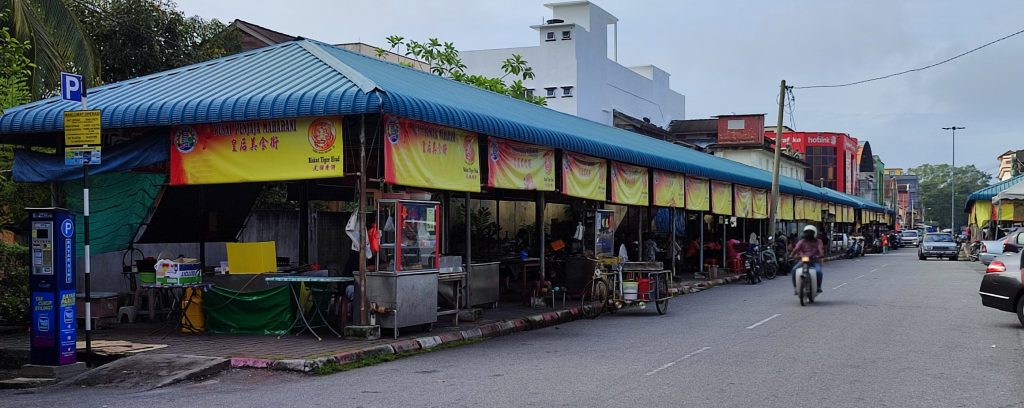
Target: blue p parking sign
x: 71, y: 87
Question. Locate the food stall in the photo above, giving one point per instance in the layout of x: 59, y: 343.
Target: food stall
x: 402, y: 288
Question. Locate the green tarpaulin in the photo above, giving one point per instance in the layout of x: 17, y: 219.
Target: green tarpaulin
x: 266, y: 312
x: 118, y: 203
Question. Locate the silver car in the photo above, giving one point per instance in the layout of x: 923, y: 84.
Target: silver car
x: 909, y: 238
x: 938, y: 245
x: 990, y: 250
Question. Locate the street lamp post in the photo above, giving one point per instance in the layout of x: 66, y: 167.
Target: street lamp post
x: 952, y: 179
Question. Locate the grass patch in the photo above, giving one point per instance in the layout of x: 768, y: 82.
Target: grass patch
x: 332, y: 367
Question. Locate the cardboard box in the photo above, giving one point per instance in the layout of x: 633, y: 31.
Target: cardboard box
x: 178, y: 272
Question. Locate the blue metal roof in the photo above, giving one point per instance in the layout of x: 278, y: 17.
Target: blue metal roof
x: 279, y: 81
x: 987, y: 193
x: 309, y: 78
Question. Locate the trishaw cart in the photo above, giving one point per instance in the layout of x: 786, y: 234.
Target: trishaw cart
x: 623, y: 284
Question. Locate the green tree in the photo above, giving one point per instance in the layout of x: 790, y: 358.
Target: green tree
x: 15, y: 68
x: 58, y: 41
x: 141, y: 37
x: 935, y: 187
x: 444, y: 61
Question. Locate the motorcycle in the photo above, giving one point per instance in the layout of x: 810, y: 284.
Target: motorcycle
x: 769, y: 263
x: 974, y: 251
x: 752, y: 264
x: 806, y: 282
x: 784, y: 264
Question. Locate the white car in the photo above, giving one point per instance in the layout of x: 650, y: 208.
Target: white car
x: 990, y: 250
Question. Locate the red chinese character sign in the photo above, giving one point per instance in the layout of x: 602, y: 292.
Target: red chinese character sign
x: 520, y: 166
x: 421, y: 154
x: 267, y: 150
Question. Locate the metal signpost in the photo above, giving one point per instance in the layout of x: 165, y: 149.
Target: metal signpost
x: 82, y: 146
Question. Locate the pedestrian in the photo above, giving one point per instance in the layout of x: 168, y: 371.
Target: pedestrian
x: 885, y: 243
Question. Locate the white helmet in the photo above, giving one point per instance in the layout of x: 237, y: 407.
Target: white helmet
x: 812, y: 229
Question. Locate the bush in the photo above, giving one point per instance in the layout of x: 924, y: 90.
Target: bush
x: 14, y: 302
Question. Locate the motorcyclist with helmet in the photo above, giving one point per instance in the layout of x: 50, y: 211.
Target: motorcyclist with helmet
x: 808, y: 246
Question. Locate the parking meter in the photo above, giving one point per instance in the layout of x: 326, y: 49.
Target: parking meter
x: 52, y: 286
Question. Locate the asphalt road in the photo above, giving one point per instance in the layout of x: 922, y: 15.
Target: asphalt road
x: 888, y: 331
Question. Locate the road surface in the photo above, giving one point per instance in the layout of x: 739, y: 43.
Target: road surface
x: 888, y: 331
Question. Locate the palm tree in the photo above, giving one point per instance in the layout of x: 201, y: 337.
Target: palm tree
x: 59, y: 43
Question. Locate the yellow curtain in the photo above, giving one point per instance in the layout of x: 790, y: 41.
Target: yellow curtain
x: 760, y: 204
x: 786, y: 207
x: 721, y: 197
x: 743, y: 201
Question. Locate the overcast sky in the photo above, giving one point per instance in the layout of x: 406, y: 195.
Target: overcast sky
x: 728, y: 56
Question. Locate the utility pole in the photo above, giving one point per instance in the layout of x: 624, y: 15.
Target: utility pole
x: 952, y: 179
x: 773, y: 204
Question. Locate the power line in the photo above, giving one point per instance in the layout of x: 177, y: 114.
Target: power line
x: 912, y: 70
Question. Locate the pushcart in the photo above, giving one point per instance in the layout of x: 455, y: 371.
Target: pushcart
x: 611, y: 288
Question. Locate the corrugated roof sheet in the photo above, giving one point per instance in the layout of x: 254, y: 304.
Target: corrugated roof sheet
x: 988, y: 192
x: 309, y: 78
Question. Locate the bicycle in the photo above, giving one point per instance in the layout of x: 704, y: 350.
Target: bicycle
x: 595, y: 291
x: 606, y: 292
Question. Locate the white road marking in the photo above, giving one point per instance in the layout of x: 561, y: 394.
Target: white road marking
x: 654, y: 371
x: 874, y: 270
x: 861, y: 276
x: 837, y: 287
x: 764, y: 321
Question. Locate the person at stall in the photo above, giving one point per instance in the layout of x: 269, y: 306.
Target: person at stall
x: 693, y: 256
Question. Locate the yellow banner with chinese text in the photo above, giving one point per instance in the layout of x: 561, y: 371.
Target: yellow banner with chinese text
x: 669, y: 189
x: 743, y: 201
x: 629, y: 184
x: 421, y: 154
x: 520, y: 166
x: 584, y: 176
x: 721, y: 197
x: 266, y: 150
x: 760, y: 204
x: 698, y: 197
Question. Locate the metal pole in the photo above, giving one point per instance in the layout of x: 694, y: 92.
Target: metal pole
x: 700, y: 266
x: 773, y: 203
x: 952, y: 179
x: 88, y: 259
x: 540, y: 233
x: 360, y: 227
x: 469, y: 236
x: 672, y: 240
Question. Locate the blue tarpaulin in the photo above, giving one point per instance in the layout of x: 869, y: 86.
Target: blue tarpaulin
x: 35, y: 167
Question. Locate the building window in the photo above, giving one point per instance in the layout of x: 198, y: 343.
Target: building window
x: 566, y: 91
x: 529, y: 93
x: 550, y: 92
x: 822, y: 163
x: 736, y: 124
x: 566, y: 35
x: 551, y: 36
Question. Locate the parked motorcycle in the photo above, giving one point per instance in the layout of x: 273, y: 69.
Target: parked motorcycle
x: 769, y: 262
x: 752, y: 264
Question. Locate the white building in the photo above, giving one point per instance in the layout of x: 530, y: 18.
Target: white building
x: 576, y: 69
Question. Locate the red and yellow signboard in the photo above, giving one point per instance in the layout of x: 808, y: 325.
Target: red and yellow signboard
x: 584, y: 176
x: 266, y: 150
x: 760, y: 204
x: 421, y: 154
x: 743, y: 201
x: 698, y: 197
x: 721, y: 197
x: 669, y: 189
x: 629, y: 184
x: 520, y: 166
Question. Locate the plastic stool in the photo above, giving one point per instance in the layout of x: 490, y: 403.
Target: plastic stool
x: 126, y: 313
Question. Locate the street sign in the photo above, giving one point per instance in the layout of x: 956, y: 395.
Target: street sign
x: 82, y: 127
x: 78, y: 155
x: 71, y: 87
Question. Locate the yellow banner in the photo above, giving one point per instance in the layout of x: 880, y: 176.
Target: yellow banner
x: 798, y: 209
x: 982, y: 212
x: 520, y: 166
x: 818, y: 208
x: 698, y: 196
x: 760, y: 204
x: 630, y: 185
x: 721, y: 197
x: 786, y: 207
x: 421, y: 154
x: 743, y: 201
x: 584, y: 176
x: 266, y: 150
x: 669, y: 189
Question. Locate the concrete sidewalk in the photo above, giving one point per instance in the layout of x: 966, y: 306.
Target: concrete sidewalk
x: 305, y: 354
